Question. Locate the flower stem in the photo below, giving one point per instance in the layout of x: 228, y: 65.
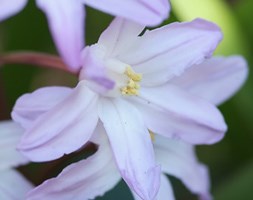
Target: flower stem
x: 34, y: 58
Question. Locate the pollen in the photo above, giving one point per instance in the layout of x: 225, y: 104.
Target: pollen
x: 132, y: 75
x: 132, y: 87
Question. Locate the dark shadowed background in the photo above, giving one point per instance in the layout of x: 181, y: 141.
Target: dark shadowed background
x: 230, y: 161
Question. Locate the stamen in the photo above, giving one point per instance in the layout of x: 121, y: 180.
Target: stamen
x: 132, y: 87
x: 152, y: 135
x: 132, y: 75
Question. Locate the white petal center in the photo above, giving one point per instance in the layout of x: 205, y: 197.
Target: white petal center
x: 126, y: 80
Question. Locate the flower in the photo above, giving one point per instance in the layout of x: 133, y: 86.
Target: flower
x: 220, y: 76
x: 66, y: 19
x: 133, y: 93
x: 98, y: 174
x: 9, y: 178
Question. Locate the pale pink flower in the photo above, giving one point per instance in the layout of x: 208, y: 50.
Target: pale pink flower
x: 13, y: 186
x: 92, y: 177
x: 134, y: 92
x: 66, y: 19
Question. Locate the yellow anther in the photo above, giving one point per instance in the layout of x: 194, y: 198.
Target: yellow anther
x: 132, y: 87
x: 152, y: 135
x: 131, y: 84
x: 132, y: 75
x: 129, y: 91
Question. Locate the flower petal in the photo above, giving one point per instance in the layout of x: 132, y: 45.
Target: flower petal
x: 85, y: 179
x: 94, y: 69
x: 178, y: 159
x: 166, y: 52
x: 29, y: 107
x: 131, y: 145
x: 10, y: 179
x: 10, y: 134
x: 165, y: 191
x: 66, y: 22
x: 64, y: 128
x: 119, y: 35
x: 148, y: 12
x: 216, y: 79
x: 171, y: 112
x: 10, y: 7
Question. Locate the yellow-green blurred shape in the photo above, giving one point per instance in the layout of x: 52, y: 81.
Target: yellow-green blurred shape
x: 219, y: 12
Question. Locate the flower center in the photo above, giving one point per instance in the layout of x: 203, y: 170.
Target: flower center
x: 127, y: 81
x: 108, y: 76
x: 132, y: 87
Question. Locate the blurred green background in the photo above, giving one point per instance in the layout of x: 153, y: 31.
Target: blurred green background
x: 230, y: 161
